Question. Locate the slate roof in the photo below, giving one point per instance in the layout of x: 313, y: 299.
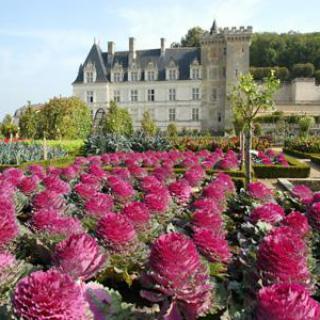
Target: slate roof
x: 103, y: 62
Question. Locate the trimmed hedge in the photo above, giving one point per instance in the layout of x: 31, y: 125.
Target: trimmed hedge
x: 296, y: 169
x: 314, y: 157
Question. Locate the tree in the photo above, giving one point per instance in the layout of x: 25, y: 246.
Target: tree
x: 118, y: 121
x: 28, y: 123
x: 248, y: 98
x: 64, y: 118
x: 305, y: 124
x: 148, y: 125
x: 193, y: 37
x: 172, y: 130
x: 8, y: 128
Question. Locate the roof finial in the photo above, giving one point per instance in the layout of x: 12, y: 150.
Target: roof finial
x: 214, y: 27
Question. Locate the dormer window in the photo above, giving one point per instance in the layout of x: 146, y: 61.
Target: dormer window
x: 151, y: 72
x: 195, y: 70
x: 134, y: 76
x: 117, y: 77
x: 89, y: 73
x: 172, y: 74
x: 151, y: 75
x: 172, y: 71
x: 117, y: 73
x: 134, y: 72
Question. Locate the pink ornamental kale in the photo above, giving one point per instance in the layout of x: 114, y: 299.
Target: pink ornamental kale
x: 212, y: 245
x: 13, y: 176
x: 210, y: 219
x: 55, y: 184
x: 122, y: 190
x: 86, y: 191
x: 49, y: 295
x: 313, y: 215
x: 117, y: 232
x: 176, y: 272
x: 269, y: 212
x: 52, y: 222
x: 138, y: 214
x: 158, y: 201
x: 8, y: 225
x: 282, y: 257
x: 225, y: 182
x: 28, y: 185
x: 181, y: 191
x: 286, y: 301
x: 48, y: 199
x: 298, y: 222
x: 302, y: 193
x: 99, y: 204
x: 259, y: 191
x: 79, y: 256
x: 194, y: 175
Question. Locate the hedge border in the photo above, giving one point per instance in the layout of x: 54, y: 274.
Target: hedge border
x: 296, y: 169
x: 314, y: 157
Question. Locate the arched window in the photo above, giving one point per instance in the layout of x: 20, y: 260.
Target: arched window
x: 98, y: 118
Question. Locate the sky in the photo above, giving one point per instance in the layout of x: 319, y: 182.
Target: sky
x: 42, y: 42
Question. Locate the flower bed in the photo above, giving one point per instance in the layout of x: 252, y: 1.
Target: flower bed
x: 82, y: 242
x: 270, y: 157
x: 314, y: 157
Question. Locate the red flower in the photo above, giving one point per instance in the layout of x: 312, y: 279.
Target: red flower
x: 117, y: 232
x: 286, y: 301
x: 298, y: 222
x: 85, y: 191
x: 210, y: 219
x: 28, y: 185
x: 49, y: 295
x: 212, y: 245
x: 48, y: 199
x: 138, y: 214
x: 181, y: 190
x: 269, y: 212
x: 176, y: 271
x: 313, y: 215
x: 99, y: 204
x: 194, y: 175
x: 259, y: 191
x: 79, y: 256
x: 8, y: 225
x: 303, y: 193
x: 158, y: 201
x: 282, y: 257
x: 55, y: 184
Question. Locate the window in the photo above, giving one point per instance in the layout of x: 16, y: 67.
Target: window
x: 116, y: 95
x: 214, y: 94
x: 195, y: 114
x: 134, y: 95
x: 117, y: 77
x: 89, y: 75
x: 90, y: 97
x: 172, y: 74
x: 195, y: 74
x: 151, y: 94
x: 172, y: 94
x: 151, y: 75
x: 195, y: 94
x: 134, y: 76
x: 219, y: 117
x: 172, y: 114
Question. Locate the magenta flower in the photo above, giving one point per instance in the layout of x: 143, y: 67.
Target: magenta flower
x: 286, y: 301
x: 212, y: 245
x: 206, y: 204
x: 138, y: 214
x: 117, y: 232
x: 37, y: 170
x: 175, y: 271
x: 282, y: 257
x: 210, y: 219
x: 316, y: 197
x: 269, y: 212
x: 13, y: 176
x: 302, y: 193
x: 195, y: 175
x: 70, y: 172
x: 48, y: 199
x: 181, y: 190
x: 158, y: 201
x: 298, y: 222
x: 87, y: 178
x: 259, y: 191
x: 97, y: 171
x: 79, y: 256
x: 215, y: 193
x: 28, y: 185
x: 8, y: 268
x: 86, y: 191
x: 49, y: 295
x: 313, y: 215
x: 52, y: 222
x: 137, y: 171
x: 8, y: 226
x: 55, y: 184
x: 123, y: 191
x: 225, y: 182
x: 149, y: 183
x: 98, y: 204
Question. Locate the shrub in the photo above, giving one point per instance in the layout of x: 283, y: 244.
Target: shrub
x: 28, y: 123
x: 260, y: 73
x: 304, y: 144
x: 148, y: 125
x: 317, y: 77
x: 7, y: 127
x: 172, y: 130
x: 302, y: 70
x: 305, y: 124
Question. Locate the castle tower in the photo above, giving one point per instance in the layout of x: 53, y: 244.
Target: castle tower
x: 224, y: 57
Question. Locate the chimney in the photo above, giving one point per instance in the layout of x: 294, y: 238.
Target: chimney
x: 111, y: 46
x: 163, y: 46
x: 132, y: 49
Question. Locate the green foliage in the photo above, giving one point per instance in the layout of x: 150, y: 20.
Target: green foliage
x: 64, y: 118
x: 296, y: 169
x: 191, y: 39
x: 317, y: 76
x: 305, y: 124
x: 304, y: 144
x: 148, y: 125
x: 260, y: 73
x: 172, y: 130
x: 28, y: 123
x: 272, y: 49
x: 302, y: 70
x: 118, y: 121
x: 20, y: 152
x: 72, y: 147
x: 7, y: 127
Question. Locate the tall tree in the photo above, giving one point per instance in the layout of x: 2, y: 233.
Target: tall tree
x: 248, y: 98
x: 193, y: 37
x: 148, y: 125
x: 8, y: 128
x: 28, y: 123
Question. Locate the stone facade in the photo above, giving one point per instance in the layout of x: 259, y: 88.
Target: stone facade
x: 187, y: 86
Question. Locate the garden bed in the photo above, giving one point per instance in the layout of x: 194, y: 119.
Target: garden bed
x: 295, y: 169
x: 314, y: 157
